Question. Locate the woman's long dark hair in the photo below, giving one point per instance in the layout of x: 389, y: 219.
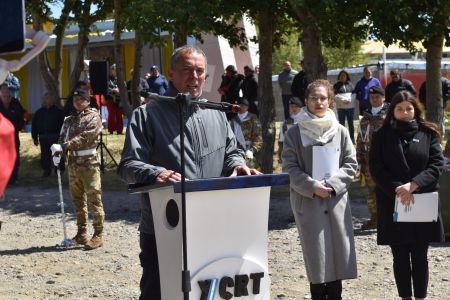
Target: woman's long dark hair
x: 346, y: 75
x: 418, y: 112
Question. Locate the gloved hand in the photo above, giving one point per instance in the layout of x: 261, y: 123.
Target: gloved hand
x: 56, y: 148
x: 249, y: 154
x: 56, y: 160
x: 36, y: 142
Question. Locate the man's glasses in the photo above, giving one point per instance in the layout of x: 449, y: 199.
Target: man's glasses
x: 318, y: 99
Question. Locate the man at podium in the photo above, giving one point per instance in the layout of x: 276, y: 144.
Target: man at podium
x: 151, y: 152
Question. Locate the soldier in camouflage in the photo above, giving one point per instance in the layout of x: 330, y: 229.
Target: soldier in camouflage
x: 372, y: 120
x: 295, y: 104
x: 247, y: 129
x: 78, y: 139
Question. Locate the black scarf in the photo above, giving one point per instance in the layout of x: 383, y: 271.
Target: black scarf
x: 405, y: 130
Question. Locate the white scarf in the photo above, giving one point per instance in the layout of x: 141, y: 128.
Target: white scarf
x: 243, y: 116
x: 376, y: 110
x: 315, y: 130
x: 296, y: 117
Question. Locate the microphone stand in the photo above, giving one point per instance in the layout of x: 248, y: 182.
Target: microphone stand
x: 184, y: 100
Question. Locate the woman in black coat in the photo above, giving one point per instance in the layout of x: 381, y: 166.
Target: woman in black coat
x: 406, y: 158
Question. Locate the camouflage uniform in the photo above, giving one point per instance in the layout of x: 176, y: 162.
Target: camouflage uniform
x: 367, y: 126
x: 252, y: 133
x: 288, y: 123
x: 79, y: 133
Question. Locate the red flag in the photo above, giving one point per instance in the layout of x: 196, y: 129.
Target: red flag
x: 7, y: 151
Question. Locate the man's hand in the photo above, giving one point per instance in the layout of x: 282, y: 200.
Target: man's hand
x: 36, y: 142
x: 168, y: 176
x: 244, y: 170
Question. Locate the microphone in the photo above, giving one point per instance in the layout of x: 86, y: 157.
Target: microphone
x: 203, y: 103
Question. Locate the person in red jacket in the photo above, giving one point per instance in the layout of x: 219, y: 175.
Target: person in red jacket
x: 113, y: 104
x: 7, y: 146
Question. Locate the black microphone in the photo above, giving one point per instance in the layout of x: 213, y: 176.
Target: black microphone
x: 203, y: 103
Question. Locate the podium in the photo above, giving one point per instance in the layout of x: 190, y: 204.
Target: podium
x: 226, y: 233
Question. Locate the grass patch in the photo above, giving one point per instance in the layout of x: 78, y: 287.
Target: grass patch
x: 30, y: 173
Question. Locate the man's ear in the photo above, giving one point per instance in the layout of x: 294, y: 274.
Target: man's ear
x: 170, y: 73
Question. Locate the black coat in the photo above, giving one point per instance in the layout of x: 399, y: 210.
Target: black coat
x: 231, y: 86
x: 390, y: 167
x: 445, y: 85
x: 14, y: 113
x: 250, y: 88
x: 395, y: 86
x: 47, y: 122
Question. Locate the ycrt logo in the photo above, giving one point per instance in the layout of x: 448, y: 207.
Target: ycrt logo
x: 239, y: 286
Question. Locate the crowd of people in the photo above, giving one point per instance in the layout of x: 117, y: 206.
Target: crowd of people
x: 397, y: 153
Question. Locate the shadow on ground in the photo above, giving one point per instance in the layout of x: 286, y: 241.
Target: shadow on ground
x: 36, y: 201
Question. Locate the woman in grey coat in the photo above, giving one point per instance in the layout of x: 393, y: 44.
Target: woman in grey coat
x: 321, y: 206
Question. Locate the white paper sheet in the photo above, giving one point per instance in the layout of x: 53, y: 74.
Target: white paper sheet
x: 424, y: 209
x: 325, y: 162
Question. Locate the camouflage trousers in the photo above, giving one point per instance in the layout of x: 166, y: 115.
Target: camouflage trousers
x: 86, y: 192
x: 370, y: 184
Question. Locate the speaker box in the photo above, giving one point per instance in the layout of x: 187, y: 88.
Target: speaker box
x: 98, y: 75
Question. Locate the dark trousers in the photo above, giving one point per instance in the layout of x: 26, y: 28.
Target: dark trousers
x: 15, y: 172
x: 347, y: 113
x: 326, y: 291
x: 410, y: 261
x: 150, y: 286
x: 286, y: 99
x: 46, y: 141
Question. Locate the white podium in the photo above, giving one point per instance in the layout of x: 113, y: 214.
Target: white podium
x: 226, y: 226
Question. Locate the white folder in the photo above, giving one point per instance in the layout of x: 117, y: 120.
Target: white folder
x: 424, y: 209
x: 325, y: 162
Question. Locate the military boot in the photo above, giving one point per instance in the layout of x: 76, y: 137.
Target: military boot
x: 81, y: 238
x: 95, y: 242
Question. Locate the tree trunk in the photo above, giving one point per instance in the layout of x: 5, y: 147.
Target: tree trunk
x: 180, y: 37
x: 314, y: 64
x: 83, y: 40
x: 135, y: 81
x: 267, y: 101
x: 52, y: 75
x: 118, y: 56
x: 434, y: 111
x: 312, y: 53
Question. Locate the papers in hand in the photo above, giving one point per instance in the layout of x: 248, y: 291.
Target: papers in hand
x: 424, y: 209
x: 325, y: 162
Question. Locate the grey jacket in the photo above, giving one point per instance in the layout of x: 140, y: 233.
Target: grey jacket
x: 324, y: 225
x: 285, y: 79
x: 152, y: 144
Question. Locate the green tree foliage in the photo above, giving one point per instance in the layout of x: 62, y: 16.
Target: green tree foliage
x: 408, y: 22
x: 328, y: 23
x: 288, y: 51
x: 184, y: 18
x: 341, y: 57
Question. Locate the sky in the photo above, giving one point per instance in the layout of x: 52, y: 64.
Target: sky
x: 56, y: 9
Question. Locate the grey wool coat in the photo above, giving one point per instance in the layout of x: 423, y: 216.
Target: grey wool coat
x: 324, y: 225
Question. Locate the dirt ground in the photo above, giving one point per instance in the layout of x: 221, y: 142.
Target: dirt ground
x: 33, y: 266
